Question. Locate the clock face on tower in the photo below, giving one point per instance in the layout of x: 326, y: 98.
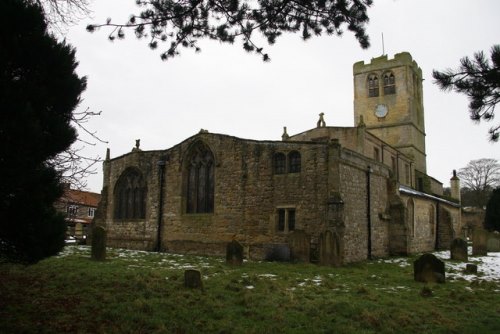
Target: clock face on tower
x: 381, y: 110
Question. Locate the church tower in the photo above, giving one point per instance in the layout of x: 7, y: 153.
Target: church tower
x: 388, y: 94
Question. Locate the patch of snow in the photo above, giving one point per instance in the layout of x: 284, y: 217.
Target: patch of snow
x: 271, y: 276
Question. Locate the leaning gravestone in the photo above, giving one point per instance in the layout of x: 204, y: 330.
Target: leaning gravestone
x: 300, y: 246
x: 234, y: 253
x: 458, y: 250
x: 428, y: 269
x: 98, y: 251
x: 479, y: 242
x: 192, y: 279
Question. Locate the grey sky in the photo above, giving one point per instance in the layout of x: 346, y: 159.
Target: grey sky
x: 226, y: 90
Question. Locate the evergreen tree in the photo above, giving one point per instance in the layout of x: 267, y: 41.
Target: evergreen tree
x: 39, y: 90
x: 492, y: 217
x: 480, y: 81
x: 183, y: 22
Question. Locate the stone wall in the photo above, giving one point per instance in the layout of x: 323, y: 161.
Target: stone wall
x: 329, y: 193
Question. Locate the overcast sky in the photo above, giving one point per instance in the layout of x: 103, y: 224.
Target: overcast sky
x: 226, y: 90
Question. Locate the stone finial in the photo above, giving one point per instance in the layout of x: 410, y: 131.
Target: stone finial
x: 285, y: 135
x: 108, y: 154
x: 321, y: 122
x: 137, y: 145
x: 361, y: 121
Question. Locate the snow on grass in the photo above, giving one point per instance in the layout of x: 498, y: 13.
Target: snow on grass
x: 488, y: 266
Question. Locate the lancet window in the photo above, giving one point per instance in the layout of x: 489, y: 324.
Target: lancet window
x: 130, y: 195
x: 200, y: 180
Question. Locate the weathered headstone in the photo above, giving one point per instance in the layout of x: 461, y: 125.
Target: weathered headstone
x: 471, y: 268
x: 300, y: 246
x: 458, y: 250
x: 479, y: 242
x: 428, y: 269
x: 98, y: 251
x: 329, y: 249
x: 192, y: 279
x: 234, y: 253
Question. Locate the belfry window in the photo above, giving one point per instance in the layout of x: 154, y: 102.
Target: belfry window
x: 200, y: 180
x: 372, y: 85
x: 130, y: 195
x: 279, y: 163
x: 389, y: 84
x: 294, y: 162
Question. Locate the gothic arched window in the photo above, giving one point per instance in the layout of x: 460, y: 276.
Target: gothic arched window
x: 389, y: 84
x: 200, y: 180
x: 130, y: 195
x: 372, y: 85
x: 279, y: 163
x: 294, y: 162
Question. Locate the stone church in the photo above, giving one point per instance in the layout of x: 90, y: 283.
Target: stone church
x: 332, y: 195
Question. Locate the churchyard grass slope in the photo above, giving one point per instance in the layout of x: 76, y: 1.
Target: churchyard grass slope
x: 141, y: 292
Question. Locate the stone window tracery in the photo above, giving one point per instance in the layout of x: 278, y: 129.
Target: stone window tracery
x: 200, y: 180
x: 372, y: 85
x: 130, y: 195
x: 389, y: 84
x: 286, y: 220
x: 294, y: 162
x: 279, y: 163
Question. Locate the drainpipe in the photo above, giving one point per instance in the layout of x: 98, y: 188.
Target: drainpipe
x: 436, y: 242
x: 368, y: 211
x: 161, y: 171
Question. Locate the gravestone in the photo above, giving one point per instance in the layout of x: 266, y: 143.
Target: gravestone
x: 329, y: 249
x: 300, y: 246
x: 479, y: 242
x: 192, y: 279
x: 458, y: 250
x: 277, y: 252
x: 471, y: 268
x: 428, y: 269
x: 98, y: 251
x: 234, y: 253
x: 493, y: 243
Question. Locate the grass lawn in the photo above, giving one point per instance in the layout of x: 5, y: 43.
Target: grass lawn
x: 140, y: 292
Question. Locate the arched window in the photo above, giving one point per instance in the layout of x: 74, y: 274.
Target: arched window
x: 200, y: 180
x: 372, y: 85
x: 389, y: 84
x: 130, y: 195
x: 294, y: 162
x: 279, y: 163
